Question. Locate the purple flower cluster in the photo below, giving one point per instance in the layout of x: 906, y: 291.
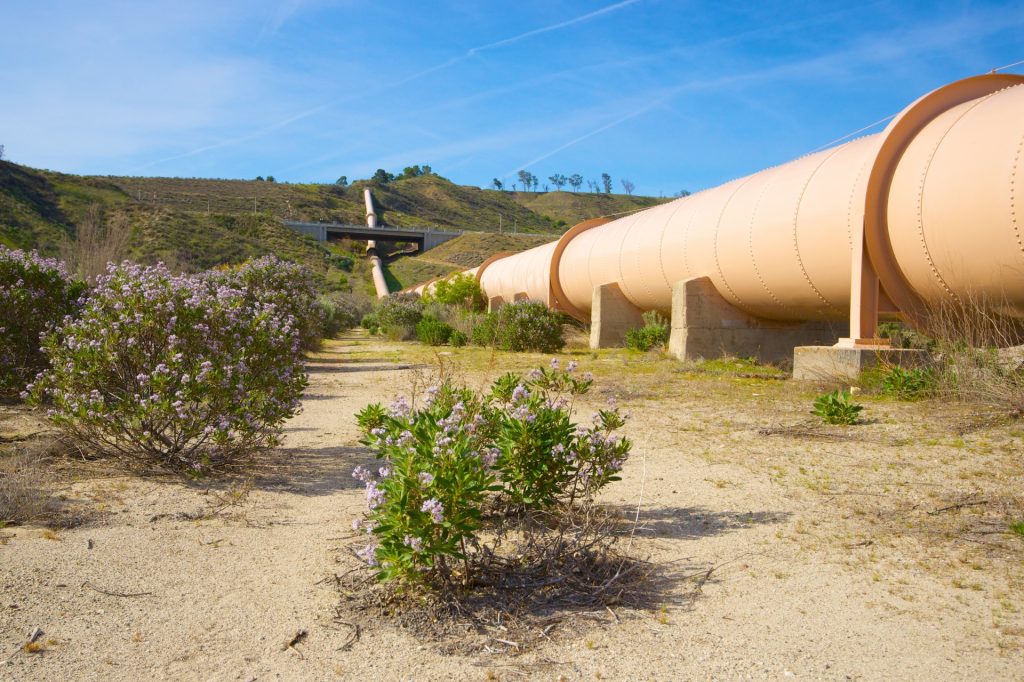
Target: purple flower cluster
x: 36, y: 295
x: 434, y: 507
x: 181, y: 368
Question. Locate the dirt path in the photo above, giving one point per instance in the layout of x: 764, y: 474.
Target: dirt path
x: 221, y: 582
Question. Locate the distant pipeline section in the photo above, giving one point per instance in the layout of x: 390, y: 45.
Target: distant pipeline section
x: 379, y: 282
x: 929, y: 210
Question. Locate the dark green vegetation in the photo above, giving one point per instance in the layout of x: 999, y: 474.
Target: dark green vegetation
x: 194, y: 224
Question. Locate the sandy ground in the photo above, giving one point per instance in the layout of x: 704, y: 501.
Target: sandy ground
x: 829, y: 558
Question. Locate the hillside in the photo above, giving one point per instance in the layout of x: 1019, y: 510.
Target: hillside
x: 198, y: 223
x: 569, y: 208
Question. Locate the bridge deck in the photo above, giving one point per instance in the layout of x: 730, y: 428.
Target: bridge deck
x: 425, y: 237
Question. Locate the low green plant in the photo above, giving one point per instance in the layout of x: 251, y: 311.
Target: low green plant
x: 342, y: 311
x: 433, y: 331
x: 458, y: 339
x: 462, y: 290
x: 837, y: 407
x: 521, y: 326
x: 1017, y: 528
x: 399, y: 310
x: 907, y: 384
x: 370, y: 323
x: 457, y: 454
x: 654, y: 333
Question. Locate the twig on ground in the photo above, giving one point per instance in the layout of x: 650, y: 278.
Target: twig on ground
x: 115, y: 594
x: 639, y: 501
x: 298, y: 637
x: 958, y: 505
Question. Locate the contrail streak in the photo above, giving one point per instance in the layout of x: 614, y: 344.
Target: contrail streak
x: 552, y: 27
x: 290, y: 7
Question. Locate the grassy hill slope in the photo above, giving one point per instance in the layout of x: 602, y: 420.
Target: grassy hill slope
x: 573, y: 207
x: 463, y: 252
x: 198, y: 223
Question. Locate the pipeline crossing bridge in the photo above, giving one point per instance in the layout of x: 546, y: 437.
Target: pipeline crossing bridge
x: 425, y: 238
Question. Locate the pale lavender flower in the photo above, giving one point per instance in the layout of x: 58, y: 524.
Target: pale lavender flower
x: 374, y: 495
x: 426, y: 478
x: 435, y: 508
x: 413, y: 542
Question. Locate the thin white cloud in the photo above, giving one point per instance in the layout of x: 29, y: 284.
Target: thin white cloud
x: 236, y: 140
x: 289, y: 7
x: 553, y: 27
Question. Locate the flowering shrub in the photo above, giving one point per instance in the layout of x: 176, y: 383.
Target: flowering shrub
x: 35, y: 295
x: 444, y: 462
x: 287, y: 286
x: 186, y: 371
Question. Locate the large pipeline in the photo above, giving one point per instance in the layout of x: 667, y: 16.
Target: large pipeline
x: 379, y: 283
x: 930, y: 209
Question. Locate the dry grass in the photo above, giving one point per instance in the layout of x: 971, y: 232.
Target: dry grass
x: 550, y: 574
x: 99, y: 239
x: 23, y: 488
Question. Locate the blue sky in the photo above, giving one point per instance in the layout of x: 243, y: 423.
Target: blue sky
x: 670, y: 94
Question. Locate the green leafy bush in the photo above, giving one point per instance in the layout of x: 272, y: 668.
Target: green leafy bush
x: 343, y: 311
x: 433, y: 331
x: 462, y: 290
x: 35, y: 295
x: 907, y: 384
x: 399, y: 310
x: 521, y: 326
x: 458, y: 339
x: 184, y: 371
x: 654, y: 333
x: 459, y: 453
x: 837, y: 407
x: 370, y: 323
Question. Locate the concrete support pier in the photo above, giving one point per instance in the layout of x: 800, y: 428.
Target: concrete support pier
x: 611, y: 316
x: 846, y: 360
x: 705, y: 325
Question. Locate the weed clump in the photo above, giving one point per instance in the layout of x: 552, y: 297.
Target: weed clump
x: 654, y: 333
x: 433, y: 331
x: 837, y: 407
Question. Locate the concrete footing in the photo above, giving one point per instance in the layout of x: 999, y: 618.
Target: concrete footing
x: 829, y: 363
x: 611, y: 316
x: 705, y: 325
x: 494, y: 302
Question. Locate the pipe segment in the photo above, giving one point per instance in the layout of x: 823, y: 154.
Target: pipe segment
x: 936, y: 199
